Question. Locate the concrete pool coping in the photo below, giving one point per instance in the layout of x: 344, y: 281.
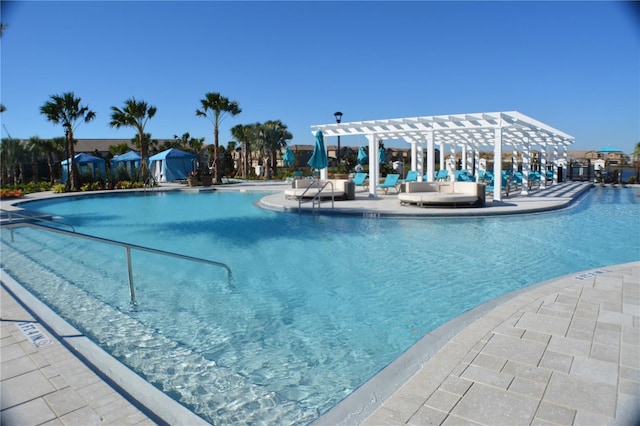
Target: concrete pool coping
x: 357, y: 408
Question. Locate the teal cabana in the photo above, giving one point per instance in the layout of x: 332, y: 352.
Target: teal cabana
x: 85, y: 162
x: 129, y: 160
x: 171, y: 165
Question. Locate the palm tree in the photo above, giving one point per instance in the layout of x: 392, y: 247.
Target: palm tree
x: 215, y: 107
x: 187, y: 143
x: 245, y: 134
x: 65, y: 109
x: 135, y: 114
x: 12, y: 155
x: 35, y: 147
x: 273, y: 136
x: 118, y: 149
x: 55, y: 151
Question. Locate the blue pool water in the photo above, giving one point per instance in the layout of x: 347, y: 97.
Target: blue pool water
x: 317, y: 305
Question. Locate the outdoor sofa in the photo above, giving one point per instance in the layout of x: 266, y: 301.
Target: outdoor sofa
x: 343, y: 189
x: 455, y: 194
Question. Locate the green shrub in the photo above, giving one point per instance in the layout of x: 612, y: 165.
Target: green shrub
x: 59, y: 188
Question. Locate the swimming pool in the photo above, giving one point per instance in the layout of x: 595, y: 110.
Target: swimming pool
x: 318, y: 304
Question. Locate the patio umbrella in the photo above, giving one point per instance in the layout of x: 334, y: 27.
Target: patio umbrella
x: 288, y: 158
x: 382, y: 156
x: 362, y: 156
x: 608, y: 149
x: 319, y: 158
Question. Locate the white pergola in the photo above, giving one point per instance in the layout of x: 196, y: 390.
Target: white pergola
x: 469, y: 132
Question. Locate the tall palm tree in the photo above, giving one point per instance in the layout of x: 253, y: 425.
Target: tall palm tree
x: 35, y: 147
x: 65, y: 109
x: 273, y: 136
x: 135, y: 114
x: 55, y: 148
x: 12, y: 154
x: 215, y: 107
x: 245, y: 134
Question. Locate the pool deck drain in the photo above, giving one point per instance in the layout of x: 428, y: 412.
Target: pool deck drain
x: 565, y: 351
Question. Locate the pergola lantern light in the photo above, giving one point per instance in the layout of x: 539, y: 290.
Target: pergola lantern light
x: 338, y: 116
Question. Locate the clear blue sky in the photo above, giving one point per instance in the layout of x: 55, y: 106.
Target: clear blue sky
x: 572, y: 65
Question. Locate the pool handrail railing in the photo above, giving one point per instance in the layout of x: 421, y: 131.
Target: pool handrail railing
x: 28, y: 217
x: 128, y: 247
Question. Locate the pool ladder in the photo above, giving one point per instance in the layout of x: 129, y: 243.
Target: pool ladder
x: 316, y: 200
x: 128, y: 247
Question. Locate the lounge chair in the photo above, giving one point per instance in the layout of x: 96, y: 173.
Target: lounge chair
x: 361, y: 179
x: 391, y: 181
x: 412, y: 176
x: 442, y: 174
x: 464, y: 176
x: 296, y: 175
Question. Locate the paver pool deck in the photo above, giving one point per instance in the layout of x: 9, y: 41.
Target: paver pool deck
x: 565, y: 351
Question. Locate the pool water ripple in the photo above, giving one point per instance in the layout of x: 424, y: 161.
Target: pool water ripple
x: 320, y: 304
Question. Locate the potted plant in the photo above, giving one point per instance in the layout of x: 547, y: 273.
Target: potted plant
x: 192, y: 179
x: 206, y: 178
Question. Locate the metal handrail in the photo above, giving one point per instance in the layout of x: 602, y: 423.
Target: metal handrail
x: 314, y: 184
x: 41, y: 219
x: 128, y: 247
x: 316, y: 197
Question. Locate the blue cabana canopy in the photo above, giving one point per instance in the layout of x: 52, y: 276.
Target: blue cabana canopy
x: 85, y: 162
x: 129, y: 159
x: 171, y: 165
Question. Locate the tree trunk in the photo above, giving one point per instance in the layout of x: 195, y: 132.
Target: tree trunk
x: 34, y: 169
x: 274, y: 163
x: 51, y: 173
x: 243, y: 160
x: 143, y: 156
x: 75, y: 172
x: 247, y: 160
x: 267, y: 167
x: 216, y: 177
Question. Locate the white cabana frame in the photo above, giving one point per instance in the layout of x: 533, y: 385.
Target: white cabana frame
x: 471, y: 132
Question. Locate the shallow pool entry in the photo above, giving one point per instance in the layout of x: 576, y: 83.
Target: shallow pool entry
x: 318, y: 305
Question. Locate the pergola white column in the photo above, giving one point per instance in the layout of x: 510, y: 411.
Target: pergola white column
x: 441, y: 156
x: 469, y: 158
x: 451, y: 163
x: 565, y: 158
x: 476, y: 156
x: 555, y: 163
x: 419, y: 160
x: 431, y: 160
x: 514, y: 159
x: 414, y: 156
x: 374, y: 166
x: 526, y: 167
x: 543, y: 166
x: 497, y: 165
